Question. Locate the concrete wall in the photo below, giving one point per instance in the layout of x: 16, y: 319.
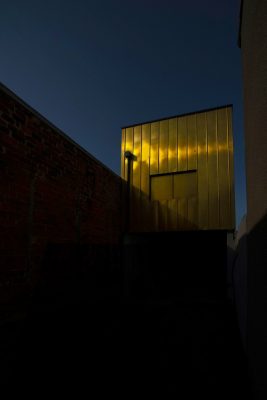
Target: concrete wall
x: 238, y: 278
x: 254, y: 52
x: 54, y: 197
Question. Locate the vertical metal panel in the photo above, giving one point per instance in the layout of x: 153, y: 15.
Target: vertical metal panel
x: 122, y: 153
x: 146, y: 213
x: 135, y: 209
x: 137, y: 154
x: 145, y: 162
x: 178, y: 219
x: 182, y: 144
x: 192, y: 141
x: 161, y: 215
x: 185, y: 185
x: 155, y: 215
x: 213, y: 170
x: 128, y: 147
x: 231, y: 165
x: 172, y: 149
x: 203, y: 200
x: 154, y: 150
x: 185, y: 190
x: 193, y: 213
x: 165, y: 214
x: 161, y: 187
x: 223, y: 168
x: 163, y: 146
x: 182, y: 214
x: 145, y: 180
x: 129, y: 139
x: 172, y: 214
x: 136, y: 214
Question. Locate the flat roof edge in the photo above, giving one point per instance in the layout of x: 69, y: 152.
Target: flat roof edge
x: 11, y: 94
x: 178, y: 115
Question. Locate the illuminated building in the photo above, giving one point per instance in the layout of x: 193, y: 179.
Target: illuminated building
x: 180, y: 171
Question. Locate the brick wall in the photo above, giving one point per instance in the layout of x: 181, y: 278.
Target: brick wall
x: 51, y: 192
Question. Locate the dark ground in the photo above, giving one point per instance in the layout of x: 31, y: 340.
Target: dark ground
x: 148, y: 336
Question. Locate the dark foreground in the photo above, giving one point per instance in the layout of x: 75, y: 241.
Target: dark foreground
x: 128, y: 337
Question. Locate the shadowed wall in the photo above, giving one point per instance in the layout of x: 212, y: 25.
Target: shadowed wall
x: 253, y: 41
x: 52, y: 192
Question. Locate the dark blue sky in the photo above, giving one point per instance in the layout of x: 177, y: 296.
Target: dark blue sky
x: 91, y: 67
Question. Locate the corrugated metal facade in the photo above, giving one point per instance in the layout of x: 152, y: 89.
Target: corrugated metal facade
x: 182, y: 172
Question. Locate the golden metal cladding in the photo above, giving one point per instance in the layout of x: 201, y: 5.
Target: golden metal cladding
x: 182, y: 172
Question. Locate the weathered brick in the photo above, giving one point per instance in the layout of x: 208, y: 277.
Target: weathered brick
x: 51, y: 192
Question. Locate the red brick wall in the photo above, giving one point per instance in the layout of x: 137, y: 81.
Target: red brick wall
x: 51, y: 191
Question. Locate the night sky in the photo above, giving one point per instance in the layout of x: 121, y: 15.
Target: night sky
x: 91, y: 67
